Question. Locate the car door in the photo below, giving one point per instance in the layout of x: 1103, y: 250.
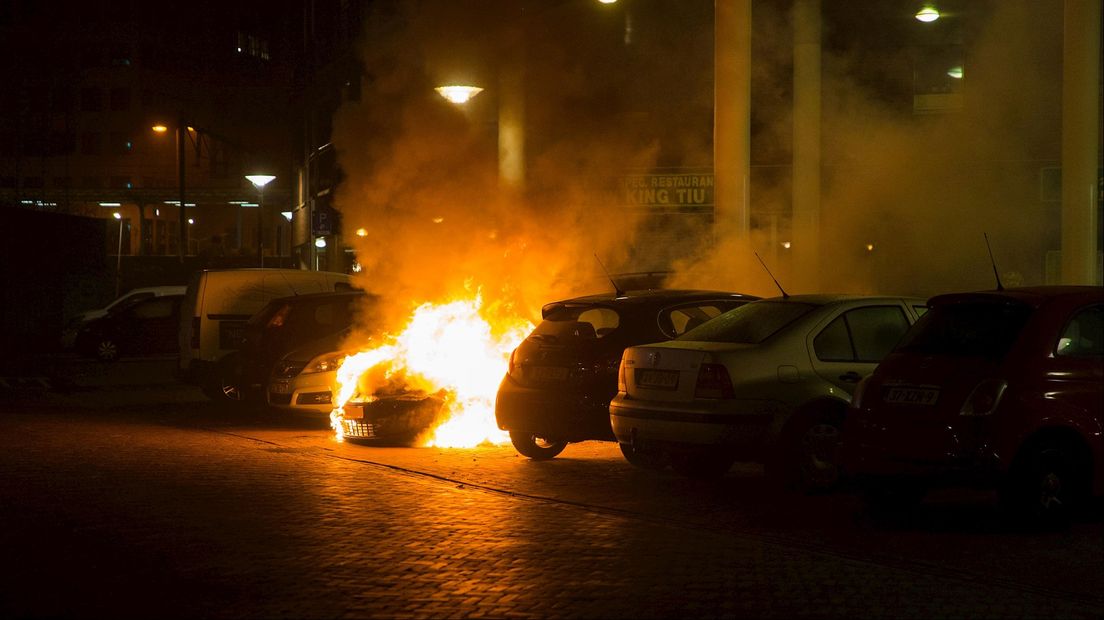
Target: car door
x: 150, y: 327
x: 850, y: 346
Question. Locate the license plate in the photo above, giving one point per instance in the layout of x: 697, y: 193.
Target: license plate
x: 663, y: 379
x: 280, y: 387
x: 548, y: 373
x: 910, y: 395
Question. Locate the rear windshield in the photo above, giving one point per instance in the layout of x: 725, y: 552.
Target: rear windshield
x: 578, y: 322
x: 973, y: 329
x: 749, y: 324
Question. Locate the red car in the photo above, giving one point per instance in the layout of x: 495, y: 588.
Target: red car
x: 999, y: 389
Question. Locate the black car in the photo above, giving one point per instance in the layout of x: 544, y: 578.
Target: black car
x: 284, y: 325
x: 562, y: 377
x: 146, y: 327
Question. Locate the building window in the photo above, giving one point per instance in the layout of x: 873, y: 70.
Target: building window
x: 91, y: 100
x: 120, y: 99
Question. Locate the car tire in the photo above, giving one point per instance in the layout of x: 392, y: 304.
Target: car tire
x: 224, y: 387
x: 807, y: 458
x: 536, y: 447
x: 644, y: 459
x: 107, y: 350
x: 708, y: 465
x: 1047, y: 483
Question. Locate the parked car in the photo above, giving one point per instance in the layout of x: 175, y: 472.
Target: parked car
x: 769, y: 381
x: 219, y: 302
x: 283, y: 325
x: 1002, y: 389
x: 142, y: 328
x: 304, y: 379
x: 69, y: 334
x: 561, y: 378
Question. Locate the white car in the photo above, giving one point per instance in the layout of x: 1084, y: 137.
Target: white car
x: 73, y: 327
x: 769, y: 381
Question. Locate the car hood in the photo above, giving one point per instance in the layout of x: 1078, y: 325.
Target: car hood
x: 314, y: 348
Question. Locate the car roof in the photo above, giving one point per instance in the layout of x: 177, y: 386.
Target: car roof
x: 646, y: 297
x: 308, y: 297
x: 821, y: 299
x: 1033, y: 296
x: 650, y: 295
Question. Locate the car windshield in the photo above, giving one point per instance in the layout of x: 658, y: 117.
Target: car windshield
x: 749, y: 324
x: 577, y: 322
x: 971, y: 329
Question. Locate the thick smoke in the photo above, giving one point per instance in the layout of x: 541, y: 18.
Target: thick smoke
x: 905, y: 196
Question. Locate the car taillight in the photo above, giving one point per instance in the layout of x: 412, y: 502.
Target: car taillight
x: 713, y: 382
x: 985, y: 398
x: 195, y: 332
x: 512, y: 368
x: 622, y: 385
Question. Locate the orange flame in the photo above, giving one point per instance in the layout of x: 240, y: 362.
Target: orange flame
x: 451, y: 347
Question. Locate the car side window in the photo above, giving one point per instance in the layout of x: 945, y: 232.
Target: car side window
x: 159, y: 308
x: 833, y: 344
x: 876, y: 330
x: 861, y: 335
x: 1084, y: 334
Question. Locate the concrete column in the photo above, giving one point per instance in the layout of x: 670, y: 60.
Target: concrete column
x: 731, y: 116
x: 805, y: 248
x: 1081, y: 111
x: 511, y: 112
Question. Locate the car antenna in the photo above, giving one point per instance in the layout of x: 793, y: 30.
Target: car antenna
x: 993, y: 262
x: 785, y: 295
x: 616, y: 289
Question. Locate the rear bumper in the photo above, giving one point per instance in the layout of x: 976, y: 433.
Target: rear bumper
x: 742, y: 427
x: 565, y: 415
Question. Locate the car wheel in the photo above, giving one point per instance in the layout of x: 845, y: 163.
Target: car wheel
x: 1046, y: 483
x: 644, y: 459
x: 708, y: 465
x: 225, y: 387
x: 807, y: 458
x: 536, y: 447
x: 107, y: 350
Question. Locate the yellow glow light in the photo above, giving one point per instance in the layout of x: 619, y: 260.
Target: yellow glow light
x: 955, y: 72
x: 927, y: 14
x: 786, y: 244
x: 362, y: 232
x: 458, y: 94
x: 160, y: 128
x: 870, y: 247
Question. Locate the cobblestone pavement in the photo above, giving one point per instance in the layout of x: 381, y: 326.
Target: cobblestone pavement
x: 125, y: 509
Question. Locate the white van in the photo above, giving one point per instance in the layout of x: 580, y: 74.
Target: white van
x: 218, y: 303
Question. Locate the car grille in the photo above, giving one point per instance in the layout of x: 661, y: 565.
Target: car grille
x: 359, y: 428
x: 287, y: 370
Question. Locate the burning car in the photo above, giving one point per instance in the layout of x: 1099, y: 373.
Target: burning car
x: 561, y: 378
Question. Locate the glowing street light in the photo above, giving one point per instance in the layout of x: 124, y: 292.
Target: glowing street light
x: 955, y: 72
x: 259, y: 181
x: 927, y: 14
x: 458, y: 94
x: 159, y: 128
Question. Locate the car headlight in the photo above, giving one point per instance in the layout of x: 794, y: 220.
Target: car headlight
x: 327, y: 362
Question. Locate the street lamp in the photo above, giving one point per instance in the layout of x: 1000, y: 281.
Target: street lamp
x: 181, y: 127
x: 118, y: 254
x: 259, y: 181
x: 458, y: 94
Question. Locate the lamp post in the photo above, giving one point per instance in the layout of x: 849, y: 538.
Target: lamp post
x: 181, y: 127
x: 118, y: 254
x: 259, y: 181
